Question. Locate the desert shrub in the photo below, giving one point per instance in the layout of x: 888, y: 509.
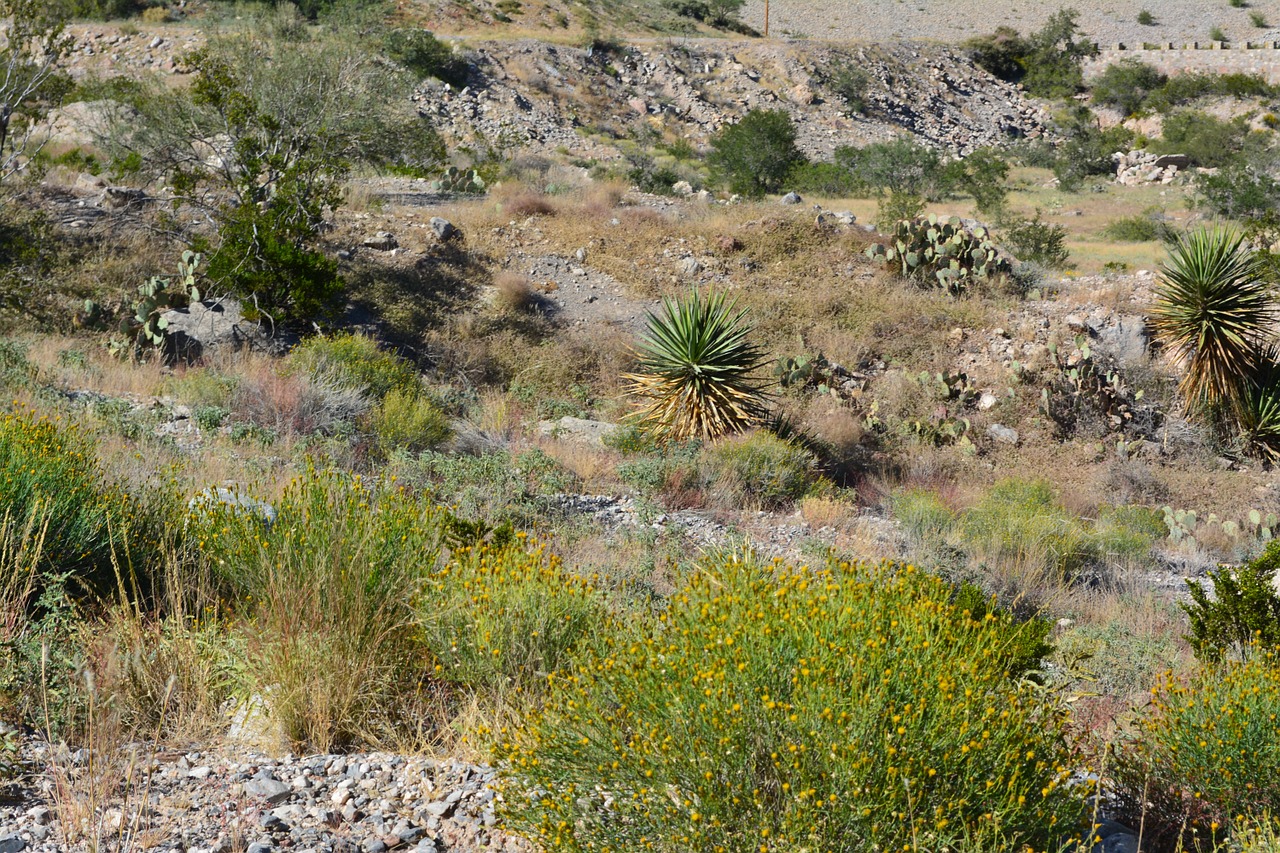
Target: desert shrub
x: 982, y: 174
x: 901, y: 166
x: 898, y: 207
x: 1242, y: 615
x: 1126, y: 85
x: 1087, y: 149
x: 650, y: 176
x: 409, y: 422
x: 324, y: 594
x: 1139, y: 228
x: 742, y: 719
x: 762, y: 470
x: 1205, y: 138
x: 48, y: 472
x: 1239, y: 190
x: 1019, y: 527
x: 755, y: 154
x: 825, y: 179
x: 1124, y: 660
x: 1182, y: 89
x: 1146, y: 18
x: 1205, y: 754
x: 497, y: 486
x: 283, y: 403
x: 923, y: 514
x: 1036, y: 241
x: 505, y: 619
x: 1127, y: 533
x: 1048, y: 62
x: 425, y: 55
x: 851, y: 83
x: 356, y: 361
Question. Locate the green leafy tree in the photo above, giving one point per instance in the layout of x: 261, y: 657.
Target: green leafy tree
x: 1213, y: 310
x: 1242, y: 615
x: 264, y: 139
x: 1054, y: 65
x: 698, y: 375
x: 901, y: 167
x: 755, y: 155
x: 984, y: 175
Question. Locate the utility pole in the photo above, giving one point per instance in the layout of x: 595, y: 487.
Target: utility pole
x: 766, y: 18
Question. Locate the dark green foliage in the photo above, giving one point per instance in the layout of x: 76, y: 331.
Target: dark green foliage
x: 1126, y: 85
x: 1242, y: 614
x: 1146, y: 18
x: 902, y: 166
x: 1037, y: 241
x: 1239, y: 190
x: 983, y: 175
x: 1087, y: 150
x: 1206, y: 139
x: 1140, y: 228
x: 825, y: 179
x: 650, y: 177
x: 1029, y: 647
x: 755, y: 155
x: 1216, y: 34
x: 425, y: 55
x: 849, y: 82
x: 1048, y: 62
x: 1182, y: 89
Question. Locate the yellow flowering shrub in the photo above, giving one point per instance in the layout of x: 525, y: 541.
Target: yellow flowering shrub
x: 502, y: 618
x: 852, y: 707
x: 47, y: 469
x: 1207, y: 753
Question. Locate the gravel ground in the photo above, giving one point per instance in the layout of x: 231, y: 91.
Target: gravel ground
x: 1106, y: 21
x: 207, y: 802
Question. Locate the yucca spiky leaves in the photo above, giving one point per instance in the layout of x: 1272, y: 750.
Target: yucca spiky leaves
x: 698, y: 375
x: 1258, y: 412
x: 1212, y: 310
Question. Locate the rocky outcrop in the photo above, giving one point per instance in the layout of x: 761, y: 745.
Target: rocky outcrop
x: 1143, y: 167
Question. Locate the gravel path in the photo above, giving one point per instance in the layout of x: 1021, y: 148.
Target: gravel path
x: 1106, y: 21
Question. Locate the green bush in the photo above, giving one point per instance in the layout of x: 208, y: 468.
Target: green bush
x: 497, y: 486
x: 1240, y: 191
x: 1205, y: 138
x: 1205, y: 755
x: 924, y: 515
x: 425, y: 55
x: 324, y: 595
x: 1126, y: 85
x: 983, y: 174
x: 762, y: 470
x: 503, y: 619
x: 901, y: 166
x: 409, y: 422
x: 1087, y: 150
x: 851, y: 83
x: 848, y: 707
x: 1146, y: 18
x: 755, y: 155
x: 1019, y: 526
x: 356, y: 361
x: 1139, y: 228
x: 1036, y: 241
x: 48, y: 472
x: 823, y: 179
x: 1242, y: 615
x: 1048, y: 62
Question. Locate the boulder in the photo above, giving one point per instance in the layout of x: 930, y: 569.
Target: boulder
x: 1177, y: 161
x: 203, y: 327
x: 792, y: 198
x: 578, y: 430
x: 1003, y: 434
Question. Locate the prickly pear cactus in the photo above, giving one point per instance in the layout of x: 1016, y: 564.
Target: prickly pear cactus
x: 159, y: 295
x: 940, y: 253
x: 455, y: 180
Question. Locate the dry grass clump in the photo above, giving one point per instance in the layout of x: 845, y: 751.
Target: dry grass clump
x: 296, y: 403
x: 518, y: 201
x: 514, y: 292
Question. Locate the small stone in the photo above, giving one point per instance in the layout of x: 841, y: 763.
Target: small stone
x: 374, y: 845
x: 792, y: 198
x: 41, y: 815
x: 1003, y: 434
x: 271, y: 790
x: 12, y: 844
x: 987, y: 400
x: 682, y: 188
x: 260, y: 847
x: 440, y: 808
x: 443, y: 228
x: 202, y: 772
x: 689, y: 266
x: 383, y: 241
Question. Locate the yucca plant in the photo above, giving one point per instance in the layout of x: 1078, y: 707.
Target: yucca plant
x: 1212, y: 311
x: 698, y: 375
x: 1258, y: 412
